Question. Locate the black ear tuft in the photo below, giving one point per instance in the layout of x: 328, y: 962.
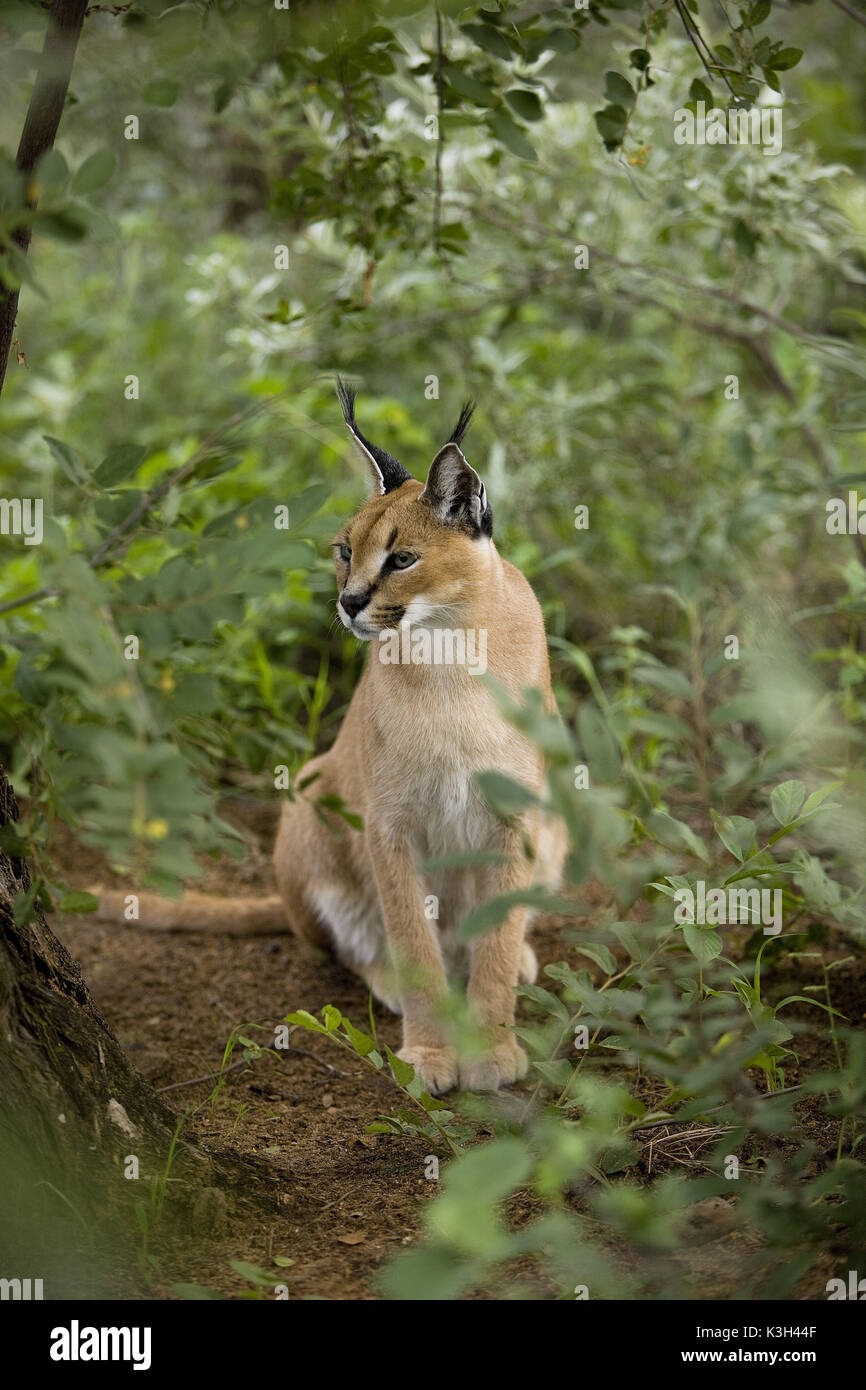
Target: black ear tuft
x: 346, y: 397
x: 388, y: 473
x: 458, y: 433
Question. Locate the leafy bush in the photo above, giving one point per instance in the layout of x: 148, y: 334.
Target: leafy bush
x: 663, y: 420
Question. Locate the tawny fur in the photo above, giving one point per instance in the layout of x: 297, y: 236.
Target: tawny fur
x: 404, y: 760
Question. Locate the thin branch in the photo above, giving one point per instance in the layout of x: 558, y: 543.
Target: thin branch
x: 849, y: 10
x: 208, y: 1076
x: 694, y: 35
x: 25, y: 599
x: 41, y: 123
x: 440, y: 103
x: 245, y: 1062
x: 304, y: 1052
x: 658, y: 272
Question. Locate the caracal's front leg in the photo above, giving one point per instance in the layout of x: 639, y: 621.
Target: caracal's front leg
x: 499, y: 960
x: 414, y: 945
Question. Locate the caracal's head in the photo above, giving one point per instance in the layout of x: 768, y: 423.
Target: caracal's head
x: 416, y: 552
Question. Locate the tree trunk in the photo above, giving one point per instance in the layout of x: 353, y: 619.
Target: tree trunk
x: 75, y: 1210
x: 65, y: 19
x: 88, y: 1151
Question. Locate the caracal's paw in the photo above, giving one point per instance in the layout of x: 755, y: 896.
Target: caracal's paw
x: 501, y: 1066
x: 437, y: 1066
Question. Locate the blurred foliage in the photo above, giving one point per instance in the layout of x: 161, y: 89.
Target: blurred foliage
x: 652, y: 1034
x: 439, y: 203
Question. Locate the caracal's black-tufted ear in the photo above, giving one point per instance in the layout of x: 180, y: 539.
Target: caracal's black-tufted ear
x: 454, y: 490
x: 387, y: 473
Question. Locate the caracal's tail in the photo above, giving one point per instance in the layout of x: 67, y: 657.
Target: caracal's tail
x: 192, y: 912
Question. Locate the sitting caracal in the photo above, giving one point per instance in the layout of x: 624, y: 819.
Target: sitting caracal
x: 417, y: 557
x: 404, y: 759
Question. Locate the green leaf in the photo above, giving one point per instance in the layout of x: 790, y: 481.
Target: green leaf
x: 699, y: 91
x: 668, y: 679
x: 785, y: 58
x: 431, y: 1103
x: 665, y: 888
x: 23, y: 906
x: 307, y: 503
x: 511, y: 135
x: 222, y: 96
x: 557, y: 1073
x: 598, y: 744
x: 818, y: 1003
x: 601, y: 955
x: 119, y: 464
x: 331, y: 1017
x: 78, y: 901
x: 504, y: 796
x: 488, y: 38
x: 546, y: 1000
x: 65, y: 224
x: 52, y: 168
x: 454, y: 235
x: 620, y: 1156
x: 704, y: 943
x: 618, y: 90
x: 736, y: 833
x: 254, y: 1274
x: 161, y: 92
x: 525, y: 104
x: 12, y: 841
x: 493, y: 912
x: 69, y: 461
x: 611, y: 124
x: 95, y: 172
x: 675, y: 834
x: 817, y: 887
x: 302, y: 1019
x: 560, y: 40
x: 362, y: 1044
x: 745, y: 239
x: 469, y: 87
x: 628, y: 938
x: 814, y: 801
x: 786, y: 800
x: 403, y: 1072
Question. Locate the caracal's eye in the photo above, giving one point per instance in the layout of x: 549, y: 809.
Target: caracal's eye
x: 403, y: 559
x: 345, y: 553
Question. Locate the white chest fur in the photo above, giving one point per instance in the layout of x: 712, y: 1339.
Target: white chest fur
x: 426, y: 754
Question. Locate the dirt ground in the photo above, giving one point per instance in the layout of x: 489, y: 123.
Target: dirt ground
x: 345, y: 1201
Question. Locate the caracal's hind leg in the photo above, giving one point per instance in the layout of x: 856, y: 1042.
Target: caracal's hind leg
x: 295, y: 854
x: 330, y: 900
